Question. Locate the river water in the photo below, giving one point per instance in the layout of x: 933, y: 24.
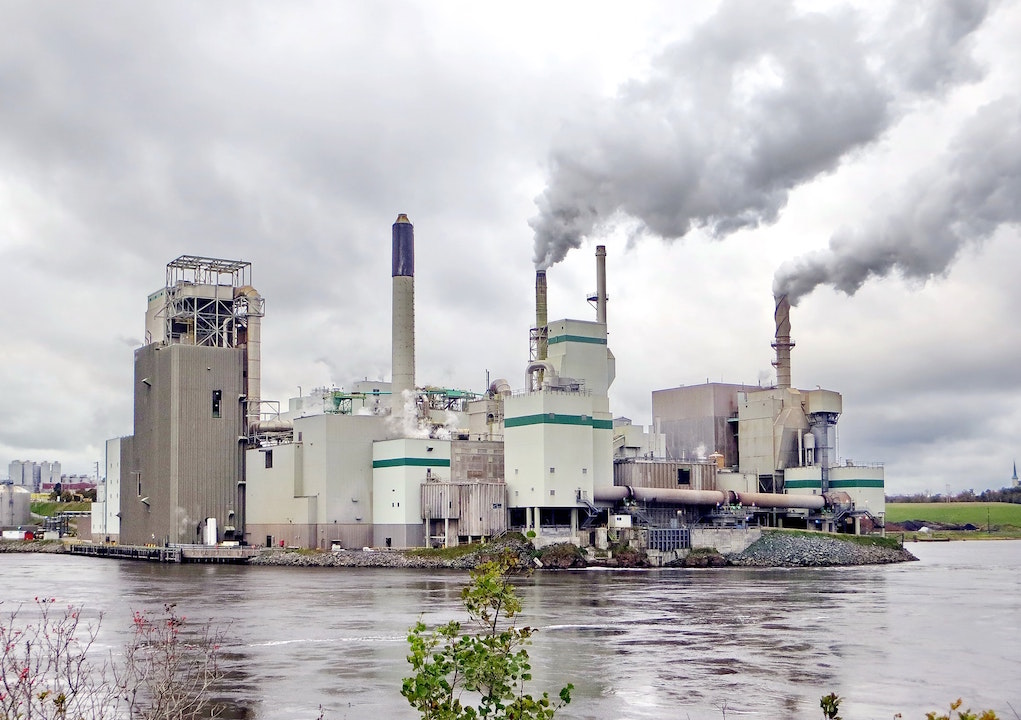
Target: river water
x: 730, y: 643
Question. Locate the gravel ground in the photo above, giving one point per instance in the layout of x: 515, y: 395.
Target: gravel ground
x: 786, y: 550
x: 38, y: 546
x: 384, y: 558
x: 772, y: 550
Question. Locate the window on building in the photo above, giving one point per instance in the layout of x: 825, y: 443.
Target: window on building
x: 269, y: 458
x: 552, y: 493
x: 552, y: 470
x: 217, y: 398
x: 683, y: 476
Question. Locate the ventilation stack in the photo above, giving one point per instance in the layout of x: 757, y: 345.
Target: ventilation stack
x: 783, y: 343
x: 403, y: 321
x: 540, y: 315
x: 601, y: 284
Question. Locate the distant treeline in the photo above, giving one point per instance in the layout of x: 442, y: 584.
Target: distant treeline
x: 1004, y: 495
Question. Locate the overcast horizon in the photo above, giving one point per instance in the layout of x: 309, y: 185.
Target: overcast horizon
x: 864, y: 157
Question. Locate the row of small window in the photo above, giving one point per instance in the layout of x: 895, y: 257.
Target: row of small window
x: 553, y: 471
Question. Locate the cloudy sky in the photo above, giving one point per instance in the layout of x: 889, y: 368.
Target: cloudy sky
x: 865, y: 158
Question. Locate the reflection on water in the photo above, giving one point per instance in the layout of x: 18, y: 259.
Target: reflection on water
x: 668, y: 643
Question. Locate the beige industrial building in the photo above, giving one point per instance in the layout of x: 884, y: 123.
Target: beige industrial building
x: 398, y: 464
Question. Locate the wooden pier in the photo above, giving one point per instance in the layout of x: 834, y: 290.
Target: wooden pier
x: 168, y: 553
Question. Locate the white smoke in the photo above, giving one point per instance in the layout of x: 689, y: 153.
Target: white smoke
x: 962, y: 198
x: 408, y: 424
x: 757, y: 101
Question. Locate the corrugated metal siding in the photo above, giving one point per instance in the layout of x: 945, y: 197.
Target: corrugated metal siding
x: 479, y: 507
x: 664, y: 474
x: 441, y: 500
x: 189, y: 462
x: 483, y: 509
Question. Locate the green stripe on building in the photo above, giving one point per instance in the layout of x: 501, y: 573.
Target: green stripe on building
x: 411, y: 462
x: 558, y: 419
x: 576, y: 338
x: 803, y: 484
x: 863, y: 483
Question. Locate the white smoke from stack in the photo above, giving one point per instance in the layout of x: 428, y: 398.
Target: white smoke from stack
x: 757, y: 101
x: 961, y: 200
x: 405, y: 423
x: 410, y: 423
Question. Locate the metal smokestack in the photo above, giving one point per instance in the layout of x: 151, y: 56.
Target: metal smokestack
x: 601, y: 284
x: 403, y: 322
x: 783, y: 343
x: 540, y: 315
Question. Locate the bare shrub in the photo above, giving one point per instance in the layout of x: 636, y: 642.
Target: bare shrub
x: 47, y: 671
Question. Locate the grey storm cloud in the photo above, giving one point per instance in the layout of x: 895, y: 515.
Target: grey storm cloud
x: 757, y: 101
x: 972, y: 190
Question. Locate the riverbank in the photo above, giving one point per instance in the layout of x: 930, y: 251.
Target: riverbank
x: 781, y: 549
x: 410, y: 559
x: 774, y: 549
x: 32, y: 546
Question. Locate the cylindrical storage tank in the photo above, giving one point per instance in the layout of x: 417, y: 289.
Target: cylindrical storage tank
x: 211, y: 534
x: 15, y: 506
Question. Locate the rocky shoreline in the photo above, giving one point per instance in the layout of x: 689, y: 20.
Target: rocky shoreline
x: 786, y: 550
x: 34, y: 546
x: 772, y: 550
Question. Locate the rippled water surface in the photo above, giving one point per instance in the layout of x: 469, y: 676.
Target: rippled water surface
x: 729, y: 643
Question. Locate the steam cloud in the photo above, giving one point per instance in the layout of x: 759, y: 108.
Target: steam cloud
x: 759, y: 100
x: 972, y: 190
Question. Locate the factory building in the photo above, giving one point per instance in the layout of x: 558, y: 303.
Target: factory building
x: 106, y: 509
x: 774, y: 442
x: 196, y: 393
x: 33, y: 475
x: 399, y: 464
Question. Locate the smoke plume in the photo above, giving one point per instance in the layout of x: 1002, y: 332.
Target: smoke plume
x: 758, y: 100
x: 969, y: 192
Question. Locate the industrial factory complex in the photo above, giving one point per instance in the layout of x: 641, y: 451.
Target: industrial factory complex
x: 406, y: 464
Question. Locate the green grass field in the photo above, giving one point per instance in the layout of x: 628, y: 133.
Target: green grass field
x: 52, y: 508
x: 957, y: 513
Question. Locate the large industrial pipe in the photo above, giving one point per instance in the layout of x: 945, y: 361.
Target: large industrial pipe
x: 783, y: 343
x: 403, y: 320
x: 676, y: 496
x: 667, y: 496
x: 273, y: 426
x: 781, y: 500
x: 540, y: 367
x: 601, y: 284
x: 617, y: 493
x: 253, y: 309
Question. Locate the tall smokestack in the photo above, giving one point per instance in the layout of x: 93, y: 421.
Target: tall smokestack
x: 783, y: 343
x: 403, y: 322
x: 601, y: 284
x: 540, y: 315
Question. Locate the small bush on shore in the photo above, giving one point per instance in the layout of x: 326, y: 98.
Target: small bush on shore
x: 562, y: 556
x: 479, y: 671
